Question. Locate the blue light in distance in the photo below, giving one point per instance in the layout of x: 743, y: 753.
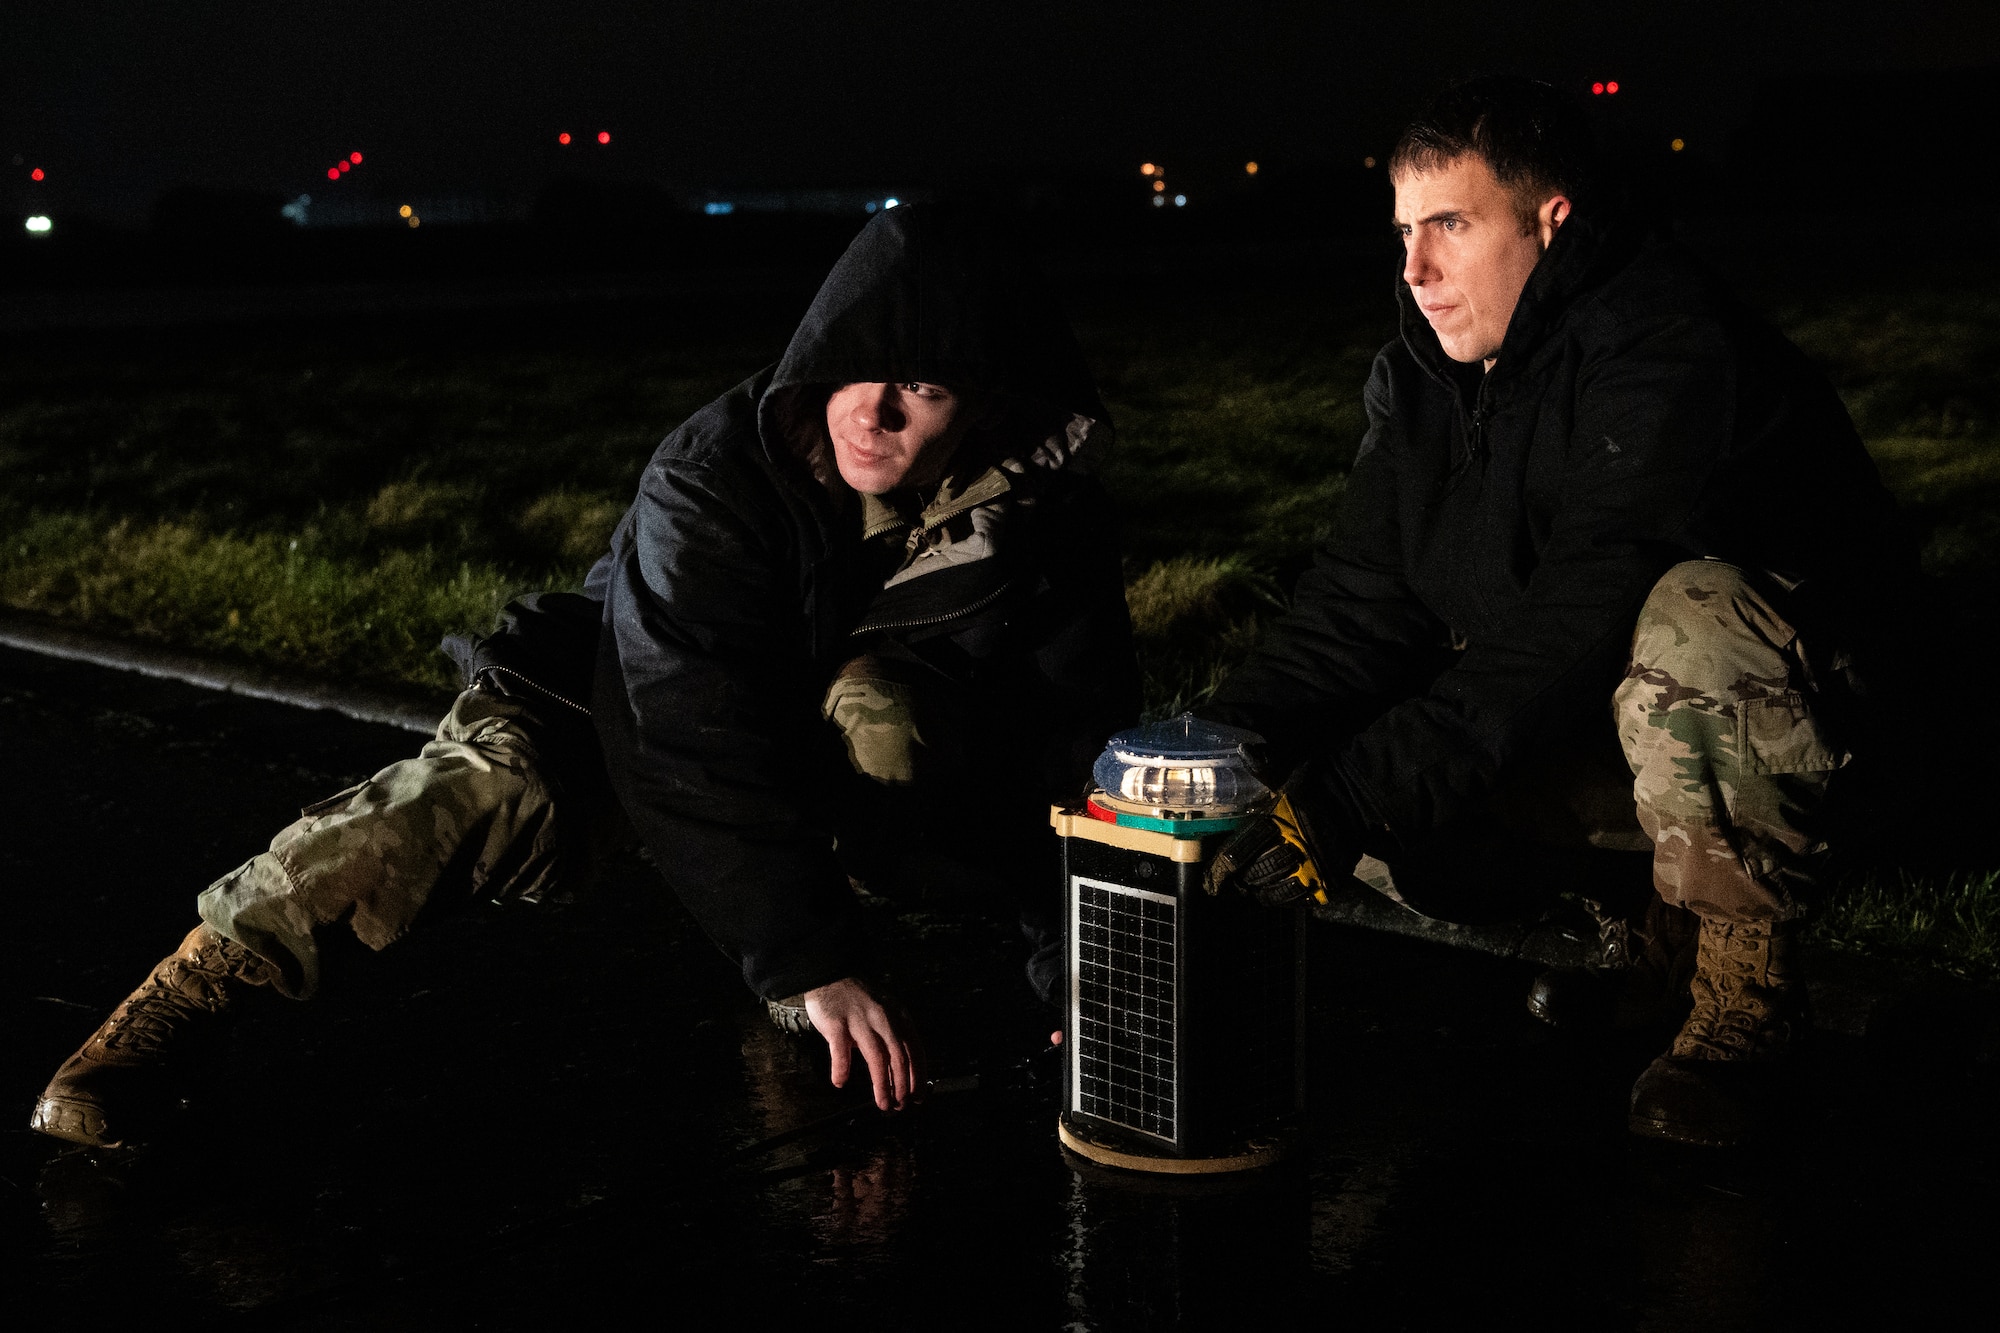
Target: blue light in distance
x: 719, y: 208
x: 891, y: 202
x: 1180, y: 201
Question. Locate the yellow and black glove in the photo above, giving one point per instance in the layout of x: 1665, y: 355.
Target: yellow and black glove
x: 1274, y: 858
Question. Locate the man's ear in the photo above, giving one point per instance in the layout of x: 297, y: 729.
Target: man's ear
x: 1553, y: 212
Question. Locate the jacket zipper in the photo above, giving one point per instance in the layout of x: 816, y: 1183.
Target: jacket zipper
x: 980, y: 605
x: 539, y: 689
x: 1481, y: 414
x: 1475, y: 440
x: 928, y: 522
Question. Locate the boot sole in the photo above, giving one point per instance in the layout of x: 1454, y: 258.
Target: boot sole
x: 1673, y: 1132
x: 75, y: 1122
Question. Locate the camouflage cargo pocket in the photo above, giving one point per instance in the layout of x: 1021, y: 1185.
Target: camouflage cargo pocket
x: 1779, y: 734
x: 331, y: 803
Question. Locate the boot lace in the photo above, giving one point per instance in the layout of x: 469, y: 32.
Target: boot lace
x: 184, y: 987
x: 1614, y: 935
x: 1739, y: 1000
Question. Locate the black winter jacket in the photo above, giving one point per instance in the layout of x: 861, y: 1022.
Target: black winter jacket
x: 739, y: 582
x: 1634, y: 418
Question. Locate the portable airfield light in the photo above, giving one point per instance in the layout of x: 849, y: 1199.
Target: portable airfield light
x: 1184, y: 1033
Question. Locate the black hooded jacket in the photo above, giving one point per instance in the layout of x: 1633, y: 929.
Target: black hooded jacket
x: 1634, y: 418
x: 739, y: 582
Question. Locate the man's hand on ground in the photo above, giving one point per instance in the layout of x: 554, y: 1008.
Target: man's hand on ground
x: 851, y: 1018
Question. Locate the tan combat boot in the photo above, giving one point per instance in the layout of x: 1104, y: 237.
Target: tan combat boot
x: 116, y: 1086
x: 1734, y: 1052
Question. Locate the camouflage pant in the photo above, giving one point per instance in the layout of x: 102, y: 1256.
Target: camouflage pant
x: 904, y: 730
x: 1726, y: 764
x: 904, y: 832
x: 899, y: 730
x: 1730, y: 759
x: 474, y: 815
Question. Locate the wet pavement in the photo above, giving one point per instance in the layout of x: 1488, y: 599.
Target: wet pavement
x: 541, y: 1116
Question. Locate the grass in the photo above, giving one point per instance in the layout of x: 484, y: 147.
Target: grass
x: 1192, y: 620
x: 325, y: 506
x: 1920, y: 373
x: 336, y: 506
x: 1234, y: 439
x: 1950, y: 921
x: 261, y: 597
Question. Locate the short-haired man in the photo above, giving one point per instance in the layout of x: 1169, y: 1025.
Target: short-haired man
x: 1597, y: 507
x: 835, y: 579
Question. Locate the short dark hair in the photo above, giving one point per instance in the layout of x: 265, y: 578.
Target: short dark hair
x: 1535, y: 140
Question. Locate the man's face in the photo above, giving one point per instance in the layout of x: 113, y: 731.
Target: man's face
x: 1466, y: 254
x: 891, y: 435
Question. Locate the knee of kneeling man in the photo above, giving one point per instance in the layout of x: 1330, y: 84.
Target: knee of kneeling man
x: 1706, y: 627
x: 877, y: 721
x: 889, y: 755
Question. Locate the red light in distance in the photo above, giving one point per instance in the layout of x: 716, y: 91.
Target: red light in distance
x: 355, y: 158
x: 1596, y: 90
x: 35, y: 175
x: 1611, y: 87
x: 604, y: 136
x: 333, y: 173
x: 343, y: 167
x: 563, y: 137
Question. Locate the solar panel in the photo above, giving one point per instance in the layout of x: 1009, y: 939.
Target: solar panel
x: 1183, y: 1034
x: 1123, y: 972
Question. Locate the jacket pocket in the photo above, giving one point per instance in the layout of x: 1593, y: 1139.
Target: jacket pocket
x: 331, y: 803
x: 1779, y: 734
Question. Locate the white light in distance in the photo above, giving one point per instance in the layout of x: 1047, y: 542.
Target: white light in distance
x: 39, y: 224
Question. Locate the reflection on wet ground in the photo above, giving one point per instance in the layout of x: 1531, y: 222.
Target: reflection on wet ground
x: 530, y: 1119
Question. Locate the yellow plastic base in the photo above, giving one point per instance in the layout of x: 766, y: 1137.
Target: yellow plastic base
x: 1256, y: 1153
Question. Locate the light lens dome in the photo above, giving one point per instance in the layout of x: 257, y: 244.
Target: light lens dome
x: 1183, y: 765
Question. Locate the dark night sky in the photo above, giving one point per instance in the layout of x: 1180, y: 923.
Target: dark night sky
x: 119, y: 100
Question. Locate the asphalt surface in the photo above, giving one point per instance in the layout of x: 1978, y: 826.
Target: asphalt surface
x: 539, y: 1117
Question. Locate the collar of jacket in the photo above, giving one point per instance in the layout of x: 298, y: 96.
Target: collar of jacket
x: 1583, y: 254
x: 880, y: 515
x: 947, y: 570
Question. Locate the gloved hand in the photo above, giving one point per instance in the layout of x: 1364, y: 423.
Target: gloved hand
x: 1274, y: 858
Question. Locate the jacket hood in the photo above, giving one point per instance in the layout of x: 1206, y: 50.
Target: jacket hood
x: 927, y: 292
